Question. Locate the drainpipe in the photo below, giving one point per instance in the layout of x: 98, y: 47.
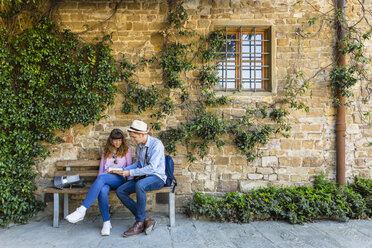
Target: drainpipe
x: 340, y: 119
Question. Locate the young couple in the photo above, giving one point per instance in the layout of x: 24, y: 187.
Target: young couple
x: 146, y: 174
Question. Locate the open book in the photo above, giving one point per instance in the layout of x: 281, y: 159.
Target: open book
x: 110, y: 169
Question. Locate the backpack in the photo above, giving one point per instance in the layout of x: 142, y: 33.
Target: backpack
x: 169, y: 168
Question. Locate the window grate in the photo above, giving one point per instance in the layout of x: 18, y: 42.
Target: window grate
x: 243, y: 63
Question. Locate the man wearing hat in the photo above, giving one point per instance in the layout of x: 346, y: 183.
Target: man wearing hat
x: 149, y: 173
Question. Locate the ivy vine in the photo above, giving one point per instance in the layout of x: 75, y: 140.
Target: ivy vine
x: 189, y: 79
x: 49, y: 81
x: 344, y: 78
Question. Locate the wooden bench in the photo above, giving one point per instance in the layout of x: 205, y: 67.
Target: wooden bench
x: 88, y: 169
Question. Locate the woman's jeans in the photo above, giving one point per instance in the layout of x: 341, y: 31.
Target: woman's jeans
x: 100, y: 189
x: 138, y: 209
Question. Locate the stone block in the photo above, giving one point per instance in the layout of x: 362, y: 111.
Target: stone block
x: 360, y: 162
x: 150, y: 6
x: 230, y: 150
x: 290, y: 161
x: 86, y: 5
x: 122, y: 123
x: 209, y: 186
x: 80, y: 130
x: 308, y: 144
x: 220, y: 4
x: 312, y: 161
x: 191, y: 4
x: 89, y: 153
x: 238, y: 112
x: 283, y: 177
x: 247, y: 185
x: 68, y: 5
x: 249, y: 170
x: 220, y: 168
x: 232, y: 169
x: 282, y: 42
x: 202, y: 176
x: 255, y: 176
x: 269, y: 161
x: 235, y: 160
x: 196, y: 167
x: 186, y: 182
x: 204, y: 24
x: 55, y: 151
x: 273, y: 177
x: 312, y: 128
x: 237, y: 176
x: 69, y: 153
x: 225, y: 176
x: 314, y: 136
x: 99, y: 127
x: 222, y: 160
x: 290, y: 144
x: 274, y: 144
x: 133, y: 6
x: 205, y: 12
x: 197, y: 185
x: 298, y: 178
x: 227, y: 186
x: 264, y: 170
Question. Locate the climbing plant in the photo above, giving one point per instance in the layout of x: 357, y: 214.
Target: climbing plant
x: 49, y: 81
x: 189, y: 79
x: 353, y: 45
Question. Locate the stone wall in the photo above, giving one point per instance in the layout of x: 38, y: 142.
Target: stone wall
x: 311, y: 148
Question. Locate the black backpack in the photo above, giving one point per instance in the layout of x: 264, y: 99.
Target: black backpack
x: 169, y: 168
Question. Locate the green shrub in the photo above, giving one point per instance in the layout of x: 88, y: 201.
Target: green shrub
x: 364, y: 188
x: 294, y: 204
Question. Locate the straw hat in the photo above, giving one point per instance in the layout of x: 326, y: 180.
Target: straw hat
x: 138, y: 127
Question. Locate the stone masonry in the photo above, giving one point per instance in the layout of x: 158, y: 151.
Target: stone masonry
x: 310, y: 150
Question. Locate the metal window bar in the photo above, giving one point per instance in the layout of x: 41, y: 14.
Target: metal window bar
x: 239, y: 86
x: 254, y: 58
x: 225, y: 59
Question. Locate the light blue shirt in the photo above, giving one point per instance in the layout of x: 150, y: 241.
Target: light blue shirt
x: 155, y: 159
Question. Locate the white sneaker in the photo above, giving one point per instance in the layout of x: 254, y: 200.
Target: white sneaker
x: 76, y: 216
x: 106, y: 228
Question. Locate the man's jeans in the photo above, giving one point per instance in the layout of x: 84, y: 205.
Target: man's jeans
x: 138, y: 209
x: 100, y: 189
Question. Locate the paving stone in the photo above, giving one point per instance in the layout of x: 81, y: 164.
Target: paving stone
x: 188, y: 233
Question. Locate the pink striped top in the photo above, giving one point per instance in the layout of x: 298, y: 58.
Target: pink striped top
x: 122, y: 162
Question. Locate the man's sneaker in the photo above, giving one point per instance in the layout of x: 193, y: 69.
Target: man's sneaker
x: 76, y: 216
x: 106, y: 228
x: 149, y: 225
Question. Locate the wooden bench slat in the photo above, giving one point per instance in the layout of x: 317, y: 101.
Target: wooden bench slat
x: 86, y: 189
x: 66, y: 191
x: 85, y: 173
x: 77, y: 163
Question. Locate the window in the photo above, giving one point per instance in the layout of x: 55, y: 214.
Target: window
x: 244, y: 61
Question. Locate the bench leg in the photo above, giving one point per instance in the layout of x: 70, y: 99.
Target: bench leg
x: 65, y: 205
x: 172, y: 210
x: 56, y: 210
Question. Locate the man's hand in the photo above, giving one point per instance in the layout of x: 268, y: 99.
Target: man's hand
x: 124, y: 173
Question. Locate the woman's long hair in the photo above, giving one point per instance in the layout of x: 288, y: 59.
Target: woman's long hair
x: 110, y: 148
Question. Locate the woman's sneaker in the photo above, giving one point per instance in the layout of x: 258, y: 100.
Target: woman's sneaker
x: 77, y: 216
x: 106, y: 228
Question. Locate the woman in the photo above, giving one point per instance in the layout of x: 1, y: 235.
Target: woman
x: 116, y: 154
